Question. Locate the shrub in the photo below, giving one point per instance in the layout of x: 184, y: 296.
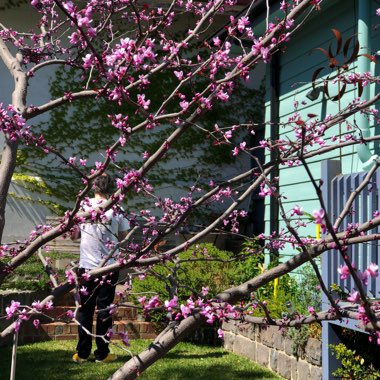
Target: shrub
x: 32, y: 276
x: 354, y: 366
x: 186, y: 278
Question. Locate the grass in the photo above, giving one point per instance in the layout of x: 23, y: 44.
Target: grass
x: 52, y: 360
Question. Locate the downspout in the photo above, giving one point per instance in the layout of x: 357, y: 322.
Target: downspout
x: 364, y: 65
x: 274, y: 119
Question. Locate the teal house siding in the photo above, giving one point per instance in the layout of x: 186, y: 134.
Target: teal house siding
x: 296, y: 67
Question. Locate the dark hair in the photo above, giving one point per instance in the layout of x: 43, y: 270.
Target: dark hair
x: 103, y: 184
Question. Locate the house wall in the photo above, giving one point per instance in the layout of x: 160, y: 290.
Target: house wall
x: 297, y: 65
x: 23, y: 210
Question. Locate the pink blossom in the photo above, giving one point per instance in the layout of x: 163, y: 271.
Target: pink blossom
x: 220, y: 334
x: 265, y: 191
x: 142, y: 102
x: 109, y: 333
x: 373, y: 270
x: 235, y: 151
x: 354, y: 296
x: 343, y: 271
x: 172, y: 303
x: 142, y: 300
x: 49, y: 305
x: 297, y: 210
x: 228, y: 134
x: 204, y: 291
x: 154, y: 302
x: 17, y: 325
x: 10, y: 310
x: 242, y: 23
x: 113, y: 309
x: 311, y: 310
x: 37, y: 305
x: 70, y: 314
x: 217, y: 41
x: 83, y: 291
x: 124, y: 338
x: 184, y: 105
x: 36, y: 323
x: 179, y: 74
x: 378, y: 12
x: 70, y: 277
x: 363, y: 276
x: 319, y: 216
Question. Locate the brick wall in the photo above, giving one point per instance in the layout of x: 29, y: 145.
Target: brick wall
x: 271, y: 348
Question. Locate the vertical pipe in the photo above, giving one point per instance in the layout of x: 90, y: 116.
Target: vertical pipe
x: 364, y: 65
x: 274, y: 118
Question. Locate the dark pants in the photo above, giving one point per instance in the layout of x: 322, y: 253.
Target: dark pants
x: 100, y: 296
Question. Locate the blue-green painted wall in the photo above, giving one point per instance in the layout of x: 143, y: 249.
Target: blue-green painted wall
x: 297, y: 65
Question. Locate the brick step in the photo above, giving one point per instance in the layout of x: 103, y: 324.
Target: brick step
x: 68, y: 298
x: 123, y: 312
x: 68, y: 331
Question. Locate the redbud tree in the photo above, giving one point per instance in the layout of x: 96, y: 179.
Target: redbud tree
x: 117, y: 49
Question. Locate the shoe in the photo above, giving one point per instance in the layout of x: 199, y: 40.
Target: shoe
x: 78, y: 359
x: 108, y: 359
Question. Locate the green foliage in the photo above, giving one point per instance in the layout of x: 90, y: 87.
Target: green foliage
x: 188, y: 277
x: 252, y: 265
x: 354, y: 366
x: 308, y: 290
x: 31, y: 275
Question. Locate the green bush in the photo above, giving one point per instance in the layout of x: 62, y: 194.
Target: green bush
x: 184, y: 279
x: 190, y: 276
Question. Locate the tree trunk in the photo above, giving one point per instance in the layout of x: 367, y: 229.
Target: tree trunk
x: 8, y: 159
x: 168, y: 338
x: 7, y: 167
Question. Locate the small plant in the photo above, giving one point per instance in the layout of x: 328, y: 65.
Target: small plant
x: 299, y: 337
x: 354, y: 366
x: 315, y: 331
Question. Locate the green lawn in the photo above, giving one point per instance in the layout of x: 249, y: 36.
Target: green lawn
x: 52, y: 361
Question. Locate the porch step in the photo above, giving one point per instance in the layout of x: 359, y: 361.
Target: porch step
x: 67, y: 299
x: 123, y: 312
x: 68, y: 331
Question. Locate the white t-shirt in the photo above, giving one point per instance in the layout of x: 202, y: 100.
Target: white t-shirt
x: 99, y: 238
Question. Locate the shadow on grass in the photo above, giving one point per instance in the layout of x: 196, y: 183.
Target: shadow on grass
x: 184, y: 355
x: 215, y: 371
